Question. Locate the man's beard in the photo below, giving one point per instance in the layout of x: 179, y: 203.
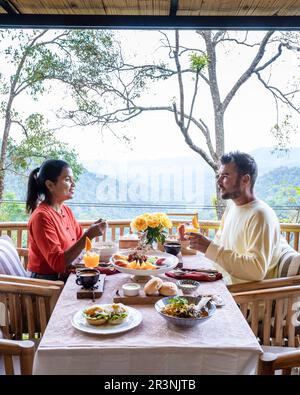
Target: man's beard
x: 235, y: 193
x: 231, y: 195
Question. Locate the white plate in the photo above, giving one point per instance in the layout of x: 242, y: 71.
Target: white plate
x: 170, y: 262
x: 134, y: 319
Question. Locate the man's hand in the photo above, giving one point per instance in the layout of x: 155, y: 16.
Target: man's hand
x: 198, y: 242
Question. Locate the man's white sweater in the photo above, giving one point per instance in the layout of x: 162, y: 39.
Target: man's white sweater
x: 248, y: 245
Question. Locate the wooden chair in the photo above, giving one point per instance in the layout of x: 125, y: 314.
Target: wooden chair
x: 272, y: 314
x: 264, y: 284
x: 23, y: 349
x: 26, y: 306
x: 269, y: 363
x: 35, y: 281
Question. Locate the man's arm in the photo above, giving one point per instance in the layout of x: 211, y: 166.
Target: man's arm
x: 251, y: 265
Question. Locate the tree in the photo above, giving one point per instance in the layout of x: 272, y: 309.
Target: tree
x: 119, y: 98
x: 35, y: 58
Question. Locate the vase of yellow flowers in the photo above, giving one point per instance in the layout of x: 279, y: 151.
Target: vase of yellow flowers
x: 153, y: 228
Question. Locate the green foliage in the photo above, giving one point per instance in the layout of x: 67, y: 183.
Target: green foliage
x: 39, y: 143
x: 12, y: 211
x: 77, y: 58
x: 281, y: 187
x: 198, y: 62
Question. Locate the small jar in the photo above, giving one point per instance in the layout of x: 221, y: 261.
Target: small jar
x: 131, y: 289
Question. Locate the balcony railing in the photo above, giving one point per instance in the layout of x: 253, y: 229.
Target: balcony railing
x: 18, y: 230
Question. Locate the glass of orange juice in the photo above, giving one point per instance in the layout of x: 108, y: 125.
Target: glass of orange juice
x: 190, y: 228
x: 91, y: 259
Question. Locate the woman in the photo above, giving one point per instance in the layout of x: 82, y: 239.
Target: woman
x: 55, y: 237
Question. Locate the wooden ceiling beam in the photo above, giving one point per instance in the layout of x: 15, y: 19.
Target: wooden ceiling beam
x: 173, y: 7
x: 9, y: 7
x: 151, y: 22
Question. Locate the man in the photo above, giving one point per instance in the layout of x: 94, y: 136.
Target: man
x: 249, y: 244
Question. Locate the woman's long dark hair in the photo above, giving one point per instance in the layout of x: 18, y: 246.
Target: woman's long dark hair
x: 37, y: 190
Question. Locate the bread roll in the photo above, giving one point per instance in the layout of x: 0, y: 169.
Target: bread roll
x: 168, y: 289
x: 153, y: 285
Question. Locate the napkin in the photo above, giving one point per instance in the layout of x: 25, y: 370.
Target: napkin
x: 102, y: 269
x: 107, y: 270
x: 195, y: 276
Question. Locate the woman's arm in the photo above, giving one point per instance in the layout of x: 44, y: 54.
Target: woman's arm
x: 93, y: 231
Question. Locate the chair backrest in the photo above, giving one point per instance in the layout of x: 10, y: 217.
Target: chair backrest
x: 23, y: 349
x: 272, y: 314
x: 269, y: 363
x: 9, y: 259
x: 25, y: 308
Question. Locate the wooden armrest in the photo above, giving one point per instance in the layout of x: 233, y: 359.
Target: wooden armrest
x: 269, y: 362
x: 24, y: 349
x: 32, y: 281
x: 267, y: 294
x: 15, y: 347
x: 264, y: 284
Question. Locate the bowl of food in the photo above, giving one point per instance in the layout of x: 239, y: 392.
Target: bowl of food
x: 185, y: 311
x: 187, y: 286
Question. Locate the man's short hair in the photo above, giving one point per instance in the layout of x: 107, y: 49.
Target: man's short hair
x: 245, y: 164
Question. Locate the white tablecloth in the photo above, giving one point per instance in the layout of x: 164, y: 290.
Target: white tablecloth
x: 223, y: 344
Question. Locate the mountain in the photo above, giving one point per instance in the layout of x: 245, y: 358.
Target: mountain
x: 117, y: 189
x: 267, y: 161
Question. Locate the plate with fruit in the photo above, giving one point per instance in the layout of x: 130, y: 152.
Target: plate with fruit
x: 144, y: 265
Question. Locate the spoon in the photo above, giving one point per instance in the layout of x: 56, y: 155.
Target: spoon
x: 202, y: 302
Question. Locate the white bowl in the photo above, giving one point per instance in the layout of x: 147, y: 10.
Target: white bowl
x: 131, y: 289
x: 105, y: 249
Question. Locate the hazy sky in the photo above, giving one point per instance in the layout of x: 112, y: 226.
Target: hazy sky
x: 248, y: 119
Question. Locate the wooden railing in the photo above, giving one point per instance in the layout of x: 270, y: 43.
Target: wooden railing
x: 18, y: 230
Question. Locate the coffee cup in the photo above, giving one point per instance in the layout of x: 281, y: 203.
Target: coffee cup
x: 172, y: 247
x: 87, y: 278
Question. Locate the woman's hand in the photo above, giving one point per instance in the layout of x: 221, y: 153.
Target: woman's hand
x: 96, y: 229
x: 198, y: 242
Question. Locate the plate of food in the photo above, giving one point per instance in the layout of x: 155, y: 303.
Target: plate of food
x: 106, y: 319
x: 144, y: 265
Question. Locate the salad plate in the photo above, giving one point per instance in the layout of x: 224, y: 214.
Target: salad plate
x: 133, y: 320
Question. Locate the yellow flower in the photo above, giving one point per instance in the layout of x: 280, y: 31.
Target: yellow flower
x: 140, y: 223
x: 152, y: 226
x: 164, y: 220
x: 154, y: 221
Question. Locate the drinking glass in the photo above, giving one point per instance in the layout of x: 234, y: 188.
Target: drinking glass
x: 91, y: 259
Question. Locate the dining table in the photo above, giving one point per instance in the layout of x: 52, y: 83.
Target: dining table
x: 221, y: 344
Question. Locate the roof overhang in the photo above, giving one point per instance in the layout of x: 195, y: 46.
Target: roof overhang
x: 150, y: 22
x: 150, y: 14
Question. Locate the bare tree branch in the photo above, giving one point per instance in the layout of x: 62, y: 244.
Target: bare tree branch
x: 247, y: 74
